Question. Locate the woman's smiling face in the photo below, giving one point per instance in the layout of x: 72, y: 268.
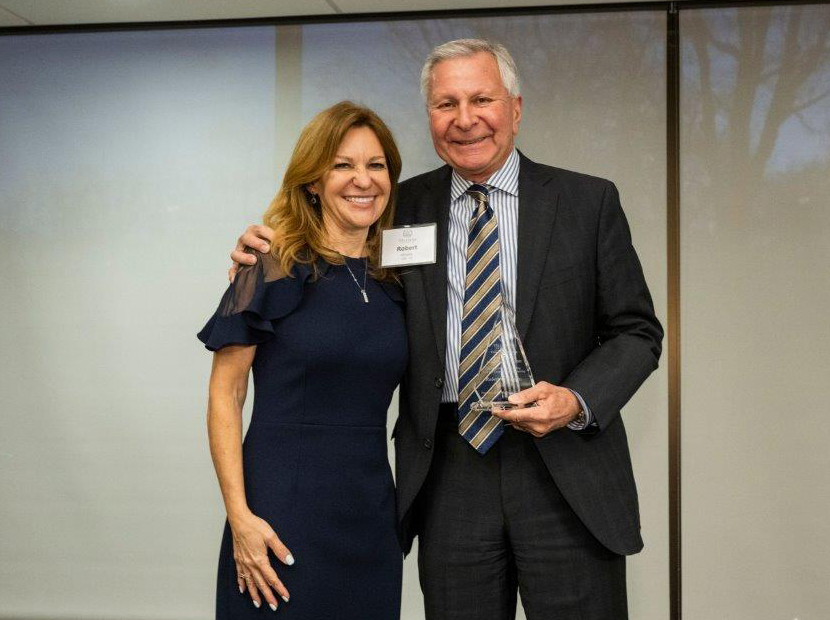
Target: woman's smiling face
x: 356, y: 188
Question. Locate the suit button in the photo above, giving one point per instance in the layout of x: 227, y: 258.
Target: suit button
x: 439, y: 382
x: 428, y: 444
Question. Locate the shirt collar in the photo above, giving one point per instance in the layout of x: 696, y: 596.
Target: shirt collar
x: 505, y: 179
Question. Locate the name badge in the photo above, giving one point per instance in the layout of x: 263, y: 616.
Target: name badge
x: 408, y: 245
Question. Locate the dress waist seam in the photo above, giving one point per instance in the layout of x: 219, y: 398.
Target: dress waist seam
x: 255, y: 422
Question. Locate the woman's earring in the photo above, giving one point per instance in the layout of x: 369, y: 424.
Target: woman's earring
x: 314, y: 199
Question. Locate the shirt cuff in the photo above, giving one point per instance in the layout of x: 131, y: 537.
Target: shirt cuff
x: 589, y: 418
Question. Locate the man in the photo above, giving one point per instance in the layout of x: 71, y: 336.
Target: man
x: 540, y: 498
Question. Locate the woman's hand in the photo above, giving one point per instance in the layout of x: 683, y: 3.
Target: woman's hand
x: 252, y: 537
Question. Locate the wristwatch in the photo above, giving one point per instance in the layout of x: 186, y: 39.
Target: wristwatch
x: 580, y: 419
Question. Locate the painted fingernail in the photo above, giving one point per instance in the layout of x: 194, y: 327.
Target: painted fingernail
x: 285, y: 598
x: 241, y: 589
x: 272, y: 606
x: 256, y: 604
x: 289, y: 559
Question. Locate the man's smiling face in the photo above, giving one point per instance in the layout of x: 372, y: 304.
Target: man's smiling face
x: 472, y: 117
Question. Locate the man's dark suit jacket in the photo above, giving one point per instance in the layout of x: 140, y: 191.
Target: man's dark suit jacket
x: 585, y: 316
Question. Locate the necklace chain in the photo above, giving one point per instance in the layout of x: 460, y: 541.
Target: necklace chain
x: 357, y: 284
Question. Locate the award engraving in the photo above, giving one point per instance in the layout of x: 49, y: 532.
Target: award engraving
x: 503, y: 369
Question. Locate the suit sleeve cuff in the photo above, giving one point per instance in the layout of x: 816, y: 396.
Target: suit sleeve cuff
x: 588, y: 422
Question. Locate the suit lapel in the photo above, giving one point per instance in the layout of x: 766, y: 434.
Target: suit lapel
x: 436, y: 208
x: 538, y: 202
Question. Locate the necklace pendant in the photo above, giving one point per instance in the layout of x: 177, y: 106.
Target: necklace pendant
x: 365, y: 296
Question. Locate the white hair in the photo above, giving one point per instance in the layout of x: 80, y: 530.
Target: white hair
x: 467, y: 47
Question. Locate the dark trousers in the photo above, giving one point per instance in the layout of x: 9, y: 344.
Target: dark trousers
x: 494, y: 524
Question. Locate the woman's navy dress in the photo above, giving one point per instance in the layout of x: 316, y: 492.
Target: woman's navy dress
x: 314, y: 456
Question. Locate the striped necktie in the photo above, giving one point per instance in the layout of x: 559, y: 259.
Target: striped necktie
x: 480, y: 326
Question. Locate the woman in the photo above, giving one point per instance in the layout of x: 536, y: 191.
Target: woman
x: 321, y: 325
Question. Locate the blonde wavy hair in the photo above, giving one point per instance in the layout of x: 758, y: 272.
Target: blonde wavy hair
x: 299, y: 233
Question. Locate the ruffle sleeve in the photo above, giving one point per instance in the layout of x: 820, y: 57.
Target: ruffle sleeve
x: 258, y: 295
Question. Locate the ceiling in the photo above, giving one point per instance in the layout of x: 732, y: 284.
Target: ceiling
x: 66, y: 12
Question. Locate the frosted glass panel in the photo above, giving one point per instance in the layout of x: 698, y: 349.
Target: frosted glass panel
x: 755, y: 292
x: 128, y: 162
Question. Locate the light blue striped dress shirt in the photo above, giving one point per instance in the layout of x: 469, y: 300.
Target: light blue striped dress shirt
x: 504, y: 199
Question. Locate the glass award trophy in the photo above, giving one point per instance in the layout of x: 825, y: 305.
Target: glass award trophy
x: 503, y: 369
